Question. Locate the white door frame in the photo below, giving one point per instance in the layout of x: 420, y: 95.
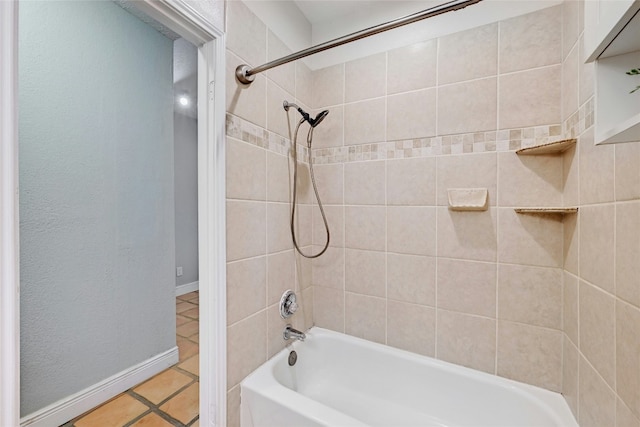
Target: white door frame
x: 188, y: 23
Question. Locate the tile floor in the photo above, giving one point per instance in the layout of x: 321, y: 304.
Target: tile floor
x: 168, y: 399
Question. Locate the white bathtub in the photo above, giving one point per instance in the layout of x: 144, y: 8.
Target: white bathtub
x: 340, y: 380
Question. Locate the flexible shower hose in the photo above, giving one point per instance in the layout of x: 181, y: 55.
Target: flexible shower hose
x: 315, y: 190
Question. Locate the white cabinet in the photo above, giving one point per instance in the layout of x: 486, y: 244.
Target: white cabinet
x: 612, y: 40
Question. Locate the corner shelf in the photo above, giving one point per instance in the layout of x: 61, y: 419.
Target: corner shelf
x: 560, y: 211
x: 548, y: 148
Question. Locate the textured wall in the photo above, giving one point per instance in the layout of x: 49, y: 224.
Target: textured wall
x: 186, y: 196
x: 96, y: 196
x: 480, y: 289
x: 601, y: 366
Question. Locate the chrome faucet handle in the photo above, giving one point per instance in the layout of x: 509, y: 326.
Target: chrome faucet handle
x: 288, y: 304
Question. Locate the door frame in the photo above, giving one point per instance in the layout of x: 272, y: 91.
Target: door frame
x: 183, y: 19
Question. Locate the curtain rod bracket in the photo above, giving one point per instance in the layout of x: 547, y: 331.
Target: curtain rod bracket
x: 243, y: 76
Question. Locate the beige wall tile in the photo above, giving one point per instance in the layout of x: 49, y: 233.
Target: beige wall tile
x: 411, y: 230
x: 246, y: 171
x: 365, y: 317
x: 364, y: 183
x: 420, y: 339
x: 570, y: 362
x: 331, y: 132
x: 597, y: 240
x: 570, y: 25
x: 330, y: 182
x: 364, y: 122
x: 570, y: 311
x: 365, y: 227
x: 530, y: 354
x: 278, y: 176
x: 477, y: 46
x: 627, y: 173
x: 627, y: 252
x: 328, y: 269
x: 411, y: 115
x: 597, y: 330
x: 411, y: 182
x: 233, y: 407
x: 531, y: 40
x: 466, y: 340
x: 365, y: 272
x: 467, y: 287
x: 281, y: 276
x: 246, y: 229
x: 467, y: 235
x: 278, y: 227
x: 596, y: 401
x: 571, y: 177
x: 328, y: 86
x: 412, y: 67
x: 586, y: 74
x: 304, y: 188
x: 467, y: 107
x: 571, y: 248
x: 246, y: 35
x: 570, y: 83
x: 246, y: 288
x: 335, y: 219
x: 304, y: 83
x: 596, y: 170
x: 328, y: 308
x: 529, y: 239
x: 531, y: 295
x: 365, y: 77
x: 627, y: 355
x: 530, y: 98
x: 246, y: 347
x: 480, y: 171
x: 307, y: 307
x: 284, y: 75
x: 278, y: 120
x: 411, y: 279
x: 529, y: 180
x: 246, y: 101
x: 624, y: 416
x: 303, y: 225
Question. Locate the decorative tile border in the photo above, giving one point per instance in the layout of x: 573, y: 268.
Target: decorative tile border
x: 479, y: 142
x: 248, y: 132
x: 581, y: 120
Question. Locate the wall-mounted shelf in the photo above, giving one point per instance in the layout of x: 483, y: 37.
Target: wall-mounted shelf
x: 561, y: 211
x: 549, y: 148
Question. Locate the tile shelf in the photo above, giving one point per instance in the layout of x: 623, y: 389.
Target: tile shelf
x: 561, y: 211
x: 556, y: 147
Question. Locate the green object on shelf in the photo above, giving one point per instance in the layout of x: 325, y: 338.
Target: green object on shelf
x: 634, y: 72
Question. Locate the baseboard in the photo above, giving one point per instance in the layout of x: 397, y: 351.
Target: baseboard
x: 186, y: 288
x: 77, y: 404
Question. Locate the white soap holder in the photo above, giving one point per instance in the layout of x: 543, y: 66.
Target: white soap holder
x: 468, y: 199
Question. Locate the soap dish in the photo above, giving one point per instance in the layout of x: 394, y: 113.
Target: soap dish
x: 468, y: 199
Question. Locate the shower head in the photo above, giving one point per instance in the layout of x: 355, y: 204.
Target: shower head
x: 313, y: 122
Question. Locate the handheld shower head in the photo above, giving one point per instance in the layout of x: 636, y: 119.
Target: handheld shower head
x: 313, y: 122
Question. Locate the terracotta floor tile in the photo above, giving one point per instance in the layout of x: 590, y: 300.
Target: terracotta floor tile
x: 195, y: 338
x: 184, y: 406
x: 115, y: 413
x: 196, y: 424
x: 192, y: 365
x: 184, y: 306
x: 193, y: 313
x: 192, y: 296
x: 162, y: 385
x: 186, y: 348
x: 152, y: 420
x: 188, y: 329
x: 181, y: 320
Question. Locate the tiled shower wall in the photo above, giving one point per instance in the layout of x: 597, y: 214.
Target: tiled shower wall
x: 261, y: 263
x: 480, y: 289
x: 601, y: 357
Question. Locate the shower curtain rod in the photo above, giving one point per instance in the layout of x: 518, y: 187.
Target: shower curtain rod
x: 246, y: 74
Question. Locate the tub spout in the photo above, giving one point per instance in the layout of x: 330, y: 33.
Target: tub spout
x: 290, y: 333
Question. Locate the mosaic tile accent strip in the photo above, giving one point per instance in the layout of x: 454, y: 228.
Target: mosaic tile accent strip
x: 479, y: 142
x: 581, y: 120
x: 246, y: 131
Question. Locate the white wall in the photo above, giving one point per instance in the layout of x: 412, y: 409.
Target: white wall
x: 96, y: 196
